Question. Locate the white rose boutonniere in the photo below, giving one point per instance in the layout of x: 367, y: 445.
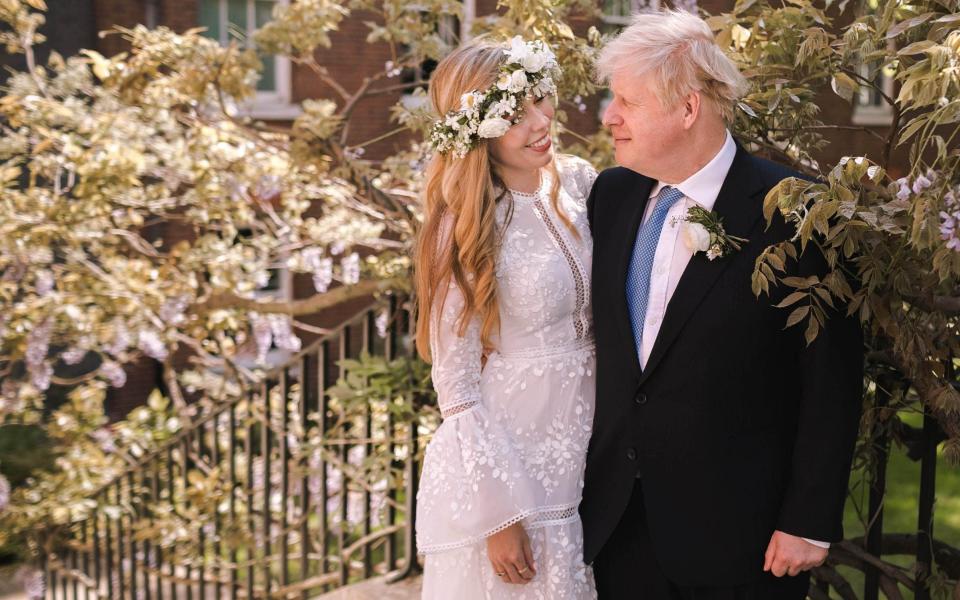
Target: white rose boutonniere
x: 491, y: 128
x: 696, y: 236
x: 703, y: 232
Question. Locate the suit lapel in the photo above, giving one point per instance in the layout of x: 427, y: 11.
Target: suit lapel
x: 739, y: 211
x: 628, y: 223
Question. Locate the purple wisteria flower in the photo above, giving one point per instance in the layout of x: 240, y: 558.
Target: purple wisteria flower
x: 4, y: 493
x: 38, y: 344
x: 950, y: 219
x: 32, y: 581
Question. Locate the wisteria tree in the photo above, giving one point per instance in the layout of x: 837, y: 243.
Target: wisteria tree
x: 141, y: 212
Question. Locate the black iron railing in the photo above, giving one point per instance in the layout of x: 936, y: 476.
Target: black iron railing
x: 266, y: 497
x: 297, y: 512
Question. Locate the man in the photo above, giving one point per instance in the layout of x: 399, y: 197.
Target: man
x: 722, y: 442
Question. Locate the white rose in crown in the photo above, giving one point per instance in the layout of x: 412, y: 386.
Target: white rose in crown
x: 533, y: 62
x: 518, y: 49
x: 492, y: 128
x: 696, y: 236
x: 518, y: 81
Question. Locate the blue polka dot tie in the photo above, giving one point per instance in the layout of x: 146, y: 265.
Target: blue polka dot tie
x: 641, y: 263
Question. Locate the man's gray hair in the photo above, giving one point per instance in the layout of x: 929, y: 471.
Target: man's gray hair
x: 679, y: 50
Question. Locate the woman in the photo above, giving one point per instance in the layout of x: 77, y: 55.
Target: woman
x: 503, y: 282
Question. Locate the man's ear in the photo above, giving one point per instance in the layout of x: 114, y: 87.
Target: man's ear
x: 692, y: 104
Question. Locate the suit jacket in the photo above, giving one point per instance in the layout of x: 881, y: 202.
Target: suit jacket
x: 736, y: 427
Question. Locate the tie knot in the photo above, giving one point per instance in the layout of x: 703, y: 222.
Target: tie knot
x: 666, y: 198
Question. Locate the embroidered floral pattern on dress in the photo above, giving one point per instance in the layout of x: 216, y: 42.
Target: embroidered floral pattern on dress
x: 512, y: 445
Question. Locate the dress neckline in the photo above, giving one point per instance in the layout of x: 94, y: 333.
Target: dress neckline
x: 518, y: 195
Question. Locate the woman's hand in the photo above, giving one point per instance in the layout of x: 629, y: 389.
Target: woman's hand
x: 510, y: 554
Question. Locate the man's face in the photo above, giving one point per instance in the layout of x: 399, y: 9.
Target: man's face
x: 647, y: 136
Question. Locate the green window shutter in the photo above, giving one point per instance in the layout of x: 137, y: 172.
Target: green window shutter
x: 268, y: 78
x: 237, y: 26
x: 210, y: 18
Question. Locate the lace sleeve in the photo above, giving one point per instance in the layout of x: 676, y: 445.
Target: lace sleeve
x: 474, y: 482
x: 456, y: 358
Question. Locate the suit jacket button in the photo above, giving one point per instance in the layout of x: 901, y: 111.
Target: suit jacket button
x: 640, y: 398
x: 631, y: 454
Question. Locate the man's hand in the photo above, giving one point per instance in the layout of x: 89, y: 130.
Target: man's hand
x: 510, y: 554
x: 789, y: 555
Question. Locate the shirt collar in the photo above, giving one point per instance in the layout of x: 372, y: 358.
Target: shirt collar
x: 703, y: 187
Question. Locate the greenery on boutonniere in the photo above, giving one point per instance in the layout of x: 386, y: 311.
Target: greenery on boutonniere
x: 703, y: 232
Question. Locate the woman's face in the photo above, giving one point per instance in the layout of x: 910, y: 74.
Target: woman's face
x: 526, y: 146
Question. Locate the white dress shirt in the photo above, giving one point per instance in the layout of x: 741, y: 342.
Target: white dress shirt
x: 673, y: 254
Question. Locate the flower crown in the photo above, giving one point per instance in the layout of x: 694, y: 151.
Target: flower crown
x: 529, y: 70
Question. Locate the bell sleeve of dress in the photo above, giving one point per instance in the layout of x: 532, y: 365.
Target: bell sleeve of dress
x: 473, y: 482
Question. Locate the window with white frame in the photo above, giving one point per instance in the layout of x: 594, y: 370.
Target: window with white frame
x: 237, y: 20
x: 869, y: 105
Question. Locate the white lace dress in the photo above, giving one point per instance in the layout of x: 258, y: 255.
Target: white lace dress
x: 513, y: 440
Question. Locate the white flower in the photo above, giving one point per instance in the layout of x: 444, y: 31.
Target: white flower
x: 714, y: 252
x: 470, y: 100
x: 501, y: 107
x: 696, y: 236
x: 545, y: 87
x: 518, y: 81
x: 492, y: 128
x: 350, y: 266
x: 149, y: 343
x: 533, y: 62
x: 503, y: 82
x: 114, y: 373
x: 283, y: 336
x: 519, y: 50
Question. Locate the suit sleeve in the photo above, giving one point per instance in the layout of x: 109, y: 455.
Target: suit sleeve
x: 831, y: 379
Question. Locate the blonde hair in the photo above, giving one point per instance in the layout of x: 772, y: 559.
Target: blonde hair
x: 679, y: 49
x: 459, y: 236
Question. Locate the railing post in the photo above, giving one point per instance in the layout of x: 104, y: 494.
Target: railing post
x: 323, y: 359
x: 389, y: 352
x: 412, y: 476
x: 928, y: 484
x: 284, y: 476
x: 878, y: 487
x: 366, y: 345
x: 233, y: 498
x: 344, y: 495
x: 265, y: 440
x: 307, y: 394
